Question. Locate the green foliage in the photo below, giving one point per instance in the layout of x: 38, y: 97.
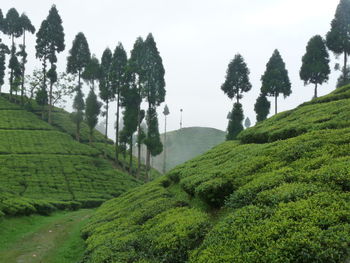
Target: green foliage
x: 262, y: 107
x: 12, y: 23
x: 275, y: 79
x: 92, y: 111
x: 106, y: 91
x: 153, y: 73
x: 235, y: 125
x: 79, y: 56
x: 328, y: 112
x: 19, y: 120
x: 314, y: 229
x: 315, y: 68
x: 237, y: 78
x: 3, y: 51
x: 337, y: 38
x: 152, y: 141
x: 128, y: 230
x: 43, y: 169
x: 92, y: 71
x: 279, y: 201
x: 79, y: 107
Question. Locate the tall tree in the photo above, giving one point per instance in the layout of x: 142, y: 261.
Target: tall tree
x: 3, y: 51
x: 315, y: 68
x: 26, y: 26
x: 79, y: 56
x: 235, y: 125
x: 78, y: 114
x: 92, y: 110
x: 2, y: 22
x: 106, y: 91
x: 92, y: 72
x: 55, y: 43
x: 118, y: 77
x: 12, y: 28
x: 275, y: 80
x: 135, y: 66
x: 130, y: 100
x: 166, y: 112
x: 237, y: 78
x: 154, y: 91
x: 42, y: 48
x: 338, y: 38
x: 262, y: 107
x: 16, y: 73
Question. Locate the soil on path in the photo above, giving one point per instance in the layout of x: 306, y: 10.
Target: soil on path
x: 37, y: 247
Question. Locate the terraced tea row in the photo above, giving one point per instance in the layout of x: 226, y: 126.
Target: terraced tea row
x: 44, y: 142
x: 284, y: 201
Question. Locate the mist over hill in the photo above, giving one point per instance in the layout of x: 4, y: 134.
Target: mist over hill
x: 185, y: 144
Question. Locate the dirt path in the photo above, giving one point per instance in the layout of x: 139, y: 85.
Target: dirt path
x: 38, y: 247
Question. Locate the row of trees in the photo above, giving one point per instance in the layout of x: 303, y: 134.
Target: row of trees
x: 275, y: 81
x: 128, y: 81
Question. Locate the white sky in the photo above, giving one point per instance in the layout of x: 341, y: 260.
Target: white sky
x: 196, y: 39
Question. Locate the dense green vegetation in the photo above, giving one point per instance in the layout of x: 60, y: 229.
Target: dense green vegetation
x: 54, y: 238
x: 275, y: 201
x: 185, y: 144
x: 43, y: 168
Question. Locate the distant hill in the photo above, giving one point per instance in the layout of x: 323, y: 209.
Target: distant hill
x: 42, y: 167
x: 281, y: 193
x: 187, y: 143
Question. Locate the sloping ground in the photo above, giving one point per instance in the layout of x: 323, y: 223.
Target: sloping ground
x: 278, y: 201
x: 43, y: 168
x: 185, y: 144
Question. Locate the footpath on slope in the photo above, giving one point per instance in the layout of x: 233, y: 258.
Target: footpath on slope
x: 44, y: 244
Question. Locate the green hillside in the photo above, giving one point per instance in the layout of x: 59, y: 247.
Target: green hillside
x: 43, y: 168
x: 280, y: 194
x: 187, y: 143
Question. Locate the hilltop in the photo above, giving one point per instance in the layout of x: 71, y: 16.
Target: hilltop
x: 278, y: 194
x: 42, y: 168
x: 187, y: 143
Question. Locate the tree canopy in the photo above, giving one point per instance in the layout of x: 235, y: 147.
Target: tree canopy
x: 79, y: 56
x: 315, y: 68
x: 262, y: 107
x: 237, y: 78
x: 275, y: 80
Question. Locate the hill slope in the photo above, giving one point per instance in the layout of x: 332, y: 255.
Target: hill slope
x: 42, y: 167
x: 187, y: 143
x: 285, y: 199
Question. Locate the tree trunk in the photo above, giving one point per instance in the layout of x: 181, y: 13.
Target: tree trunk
x: 44, y: 73
x: 117, y: 131
x: 164, y: 161
x: 23, y: 67
x: 276, y: 96
x: 11, y: 73
x: 345, y: 64
x: 148, y: 165
x: 91, y: 134
x: 138, y: 140
x: 315, y: 95
x: 78, y: 131
x: 130, y: 160
x: 50, y: 98
x: 106, y: 130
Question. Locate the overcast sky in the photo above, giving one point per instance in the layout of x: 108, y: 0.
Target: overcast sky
x: 196, y: 39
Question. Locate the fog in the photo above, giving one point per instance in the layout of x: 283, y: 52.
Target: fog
x: 196, y: 39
